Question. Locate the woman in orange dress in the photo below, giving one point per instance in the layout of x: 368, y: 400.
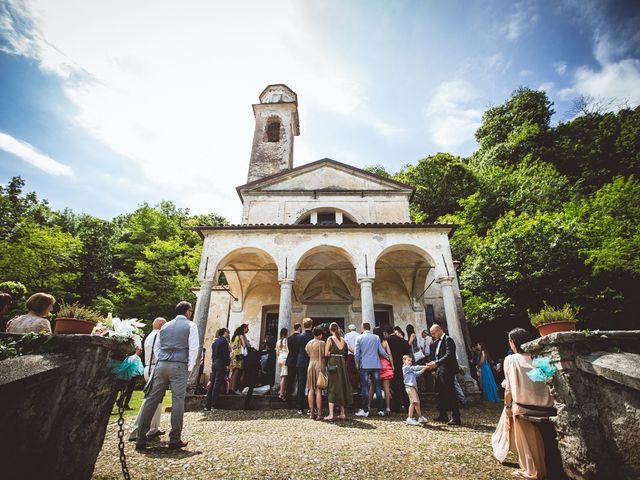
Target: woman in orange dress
x: 315, y: 350
x: 520, y: 393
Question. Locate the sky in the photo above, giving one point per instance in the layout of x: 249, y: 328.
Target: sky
x: 105, y: 105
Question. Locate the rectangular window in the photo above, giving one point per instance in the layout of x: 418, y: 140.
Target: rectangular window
x: 327, y: 217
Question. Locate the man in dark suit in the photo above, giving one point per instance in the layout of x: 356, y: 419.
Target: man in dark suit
x: 292, y: 358
x: 302, y: 361
x: 446, y: 365
x: 399, y: 347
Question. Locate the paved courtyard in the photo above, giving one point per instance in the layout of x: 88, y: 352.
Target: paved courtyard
x: 282, y: 445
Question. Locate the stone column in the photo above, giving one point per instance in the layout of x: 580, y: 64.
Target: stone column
x: 455, y: 331
x: 200, y: 316
x: 366, y: 300
x: 284, y: 318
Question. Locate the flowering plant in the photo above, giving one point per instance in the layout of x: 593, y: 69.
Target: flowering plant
x: 121, y: 330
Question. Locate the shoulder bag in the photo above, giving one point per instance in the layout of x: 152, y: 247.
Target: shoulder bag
x: 323, y: 380
x: 418, y: 354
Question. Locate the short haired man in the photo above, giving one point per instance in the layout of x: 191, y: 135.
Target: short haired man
x: 150, y: 361
x: 292, y: 358
x: 220, y: 360
x: 352, y: 372
x: 367, y: 357
x: 446, y: 366
x: 176, y: 352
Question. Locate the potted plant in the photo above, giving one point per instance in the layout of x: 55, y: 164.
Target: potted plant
x: 76, y: 318
x: 551, y: 319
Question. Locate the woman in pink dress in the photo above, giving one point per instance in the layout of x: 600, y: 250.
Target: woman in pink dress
x: 386, y: 373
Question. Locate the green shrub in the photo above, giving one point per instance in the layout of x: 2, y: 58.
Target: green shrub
x: 550, y: 314
x: 80, y: 312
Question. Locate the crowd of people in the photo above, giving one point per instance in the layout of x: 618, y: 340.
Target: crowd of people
x: 318, y: 364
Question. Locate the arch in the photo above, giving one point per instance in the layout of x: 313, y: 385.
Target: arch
x: 245, y: 267
x: 407, y: 266
x: 350, y: 215
x: 272, y: 129
x: 408, y: 247
x: 323, y: 258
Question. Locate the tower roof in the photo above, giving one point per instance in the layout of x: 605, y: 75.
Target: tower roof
x: 278, y: 93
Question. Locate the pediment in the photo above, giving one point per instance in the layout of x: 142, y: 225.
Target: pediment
x: 326, y: 175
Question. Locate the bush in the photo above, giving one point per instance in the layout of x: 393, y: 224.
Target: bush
x: 549, y: 314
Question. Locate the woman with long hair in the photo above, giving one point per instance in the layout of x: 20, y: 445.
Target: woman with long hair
x: 338, y: 391
x: 282, y: 351
x: 238, y: 342
x: 315, y: 350
x: 386, y: 372
x: 489, y: 387
x: 522, y: 396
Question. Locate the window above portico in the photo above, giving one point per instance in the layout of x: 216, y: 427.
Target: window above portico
x: 326, y: 216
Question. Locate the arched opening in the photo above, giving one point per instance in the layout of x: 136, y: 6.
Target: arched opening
x: 326, y: 216
x: 401, y: 273
x: 326, y: 284
x: 273, y: 131
x: 252, y: 277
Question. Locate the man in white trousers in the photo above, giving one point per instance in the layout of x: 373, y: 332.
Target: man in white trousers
x: 149, y: 364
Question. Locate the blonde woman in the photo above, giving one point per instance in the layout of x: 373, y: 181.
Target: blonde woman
x: 315, y: 350
x: 238, y: 343
x: 282, y: 352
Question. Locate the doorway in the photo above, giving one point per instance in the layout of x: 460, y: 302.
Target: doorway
x: 327, y: 320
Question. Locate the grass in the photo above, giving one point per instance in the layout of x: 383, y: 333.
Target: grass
x: 136, y: 401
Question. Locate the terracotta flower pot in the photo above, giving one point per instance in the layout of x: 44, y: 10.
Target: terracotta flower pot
x: 553, y: 327
x: 73, y: 325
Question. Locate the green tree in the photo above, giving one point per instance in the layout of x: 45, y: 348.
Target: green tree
x: 42, y: 258
x: 441, y: 180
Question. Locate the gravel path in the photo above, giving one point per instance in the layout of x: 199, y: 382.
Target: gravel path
x: 271, y: 444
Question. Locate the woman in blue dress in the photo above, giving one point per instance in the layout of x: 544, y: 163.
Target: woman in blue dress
x: 489, y: 387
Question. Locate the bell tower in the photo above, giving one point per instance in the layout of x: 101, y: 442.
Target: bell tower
x: 276, y: 125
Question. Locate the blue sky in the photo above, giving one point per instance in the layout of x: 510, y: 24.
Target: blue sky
x: 104, y: 105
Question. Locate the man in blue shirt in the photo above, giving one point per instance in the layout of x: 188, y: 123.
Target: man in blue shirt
x: 367, y: 356
x: 220, y: 362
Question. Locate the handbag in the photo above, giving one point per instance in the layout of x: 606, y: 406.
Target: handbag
x: 331, y: 368
x: 418, y: 354
x: 323, y: 381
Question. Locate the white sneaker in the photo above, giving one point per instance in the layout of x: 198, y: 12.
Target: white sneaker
x: 422, y: 420
x: 381, y: 413
x: 362, y: 413
x: 412, y: 421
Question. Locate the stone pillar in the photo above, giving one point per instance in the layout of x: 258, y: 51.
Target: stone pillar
x: 366, y: 300
x: 455, y: 331
x: 200, y: 316
x: 284, y: 318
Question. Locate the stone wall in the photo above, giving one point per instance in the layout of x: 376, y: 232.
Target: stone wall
x: 597, y: 394
x: 55, y: 407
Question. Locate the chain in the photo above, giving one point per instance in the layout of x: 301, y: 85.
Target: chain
x: 123, y: 457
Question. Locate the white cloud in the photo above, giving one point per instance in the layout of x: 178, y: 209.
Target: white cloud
x: 453, y: 116
x: 525, y: 73
x: 521, y: 19
x: 31, y: 155
x: 560, y: 68
x: 498, y: 63
x: 170, y: 88
x: 547, y: 86
x: 614, y: 84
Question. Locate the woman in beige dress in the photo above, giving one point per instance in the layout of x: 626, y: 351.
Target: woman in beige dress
x: 282, y: 351
x: 35, y: 321
x: 514, y: 433
x: 315, y: 350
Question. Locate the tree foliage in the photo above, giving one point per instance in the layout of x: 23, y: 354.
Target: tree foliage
x: 136, y: 265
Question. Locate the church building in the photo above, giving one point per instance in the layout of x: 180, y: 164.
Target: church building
x: 323, y: 240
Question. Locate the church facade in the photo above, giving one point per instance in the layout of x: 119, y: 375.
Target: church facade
x: 323, y: 240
